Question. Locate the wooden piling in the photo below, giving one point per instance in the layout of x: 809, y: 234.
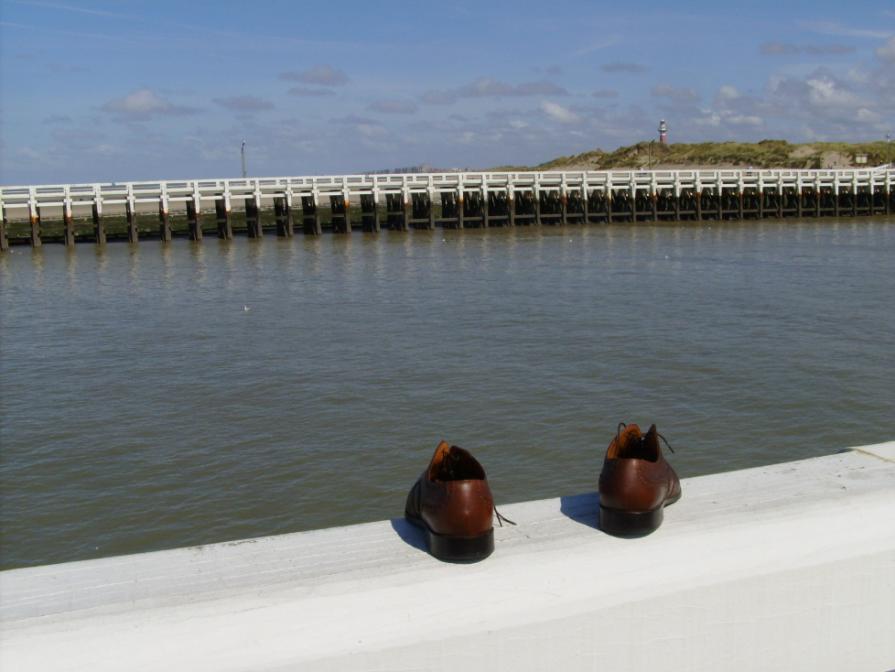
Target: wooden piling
x: 99, y: 227
x: 34, y: 217
x: 253, y: 218
x: 585, y: 203
x: 310, y: 217
x: 164, y: 219
x: 369, y: 213
x: 133, y: 235
x: 461, y: 209
x: 222, y: 215
x: 68, y: 224
x: 563, y: 207
x: 4, y: 241
x: 511, y: 206
x: 278, y: 216
x: 431, y: 199
x: 339, y: 214
x: 888, y: 201
x: 192, y: 218
x: 740, y: 209
x: 607, y: 197
x: 699, y: 205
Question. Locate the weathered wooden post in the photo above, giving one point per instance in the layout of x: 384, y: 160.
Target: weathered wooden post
x: 4, y: 241
x: 288, y: 218
x: 779, y: 196
x: 800, y: 195
x: 253, y: 217
x: 854, y: 194
x: 311, y: 215
x: 607, y: 198
x: 68, y: 220
x: 677, y: 198
x: 346, y: 208
x: 697, y: 190
x: 34, y: 217
x: 192, y: 217
x: 536, y: 200
x: 130, y: 213
x: 164, y: 216
x: 511, y: 204
x: 431, y: 205
x: 369, y: 205
x: 406, y: 205
x: 486, y: 211
x: 563, y: 203
x: 99, y: 227
x: 585, y: 201
x: 222, y: 214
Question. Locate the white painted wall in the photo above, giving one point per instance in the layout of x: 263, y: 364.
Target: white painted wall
x: 788, y: 567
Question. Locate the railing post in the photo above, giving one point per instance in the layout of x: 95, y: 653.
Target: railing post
x: 222, y: 211
x: 34, y: 217
x: 431, y: 204
x: 585, y: 198
x: 130, y: 211
x: 461, y: 212
x: 4, y: 241
x: 511, y: 203
x: 99, y: 227
x: 697, y: 187
x: 288, y: 221
x: 192, y: 216
x: 164, y: 216
x: 68, y: 222
x: 536, y: 198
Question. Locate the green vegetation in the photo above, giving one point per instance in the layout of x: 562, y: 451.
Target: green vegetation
x: 764, y: 154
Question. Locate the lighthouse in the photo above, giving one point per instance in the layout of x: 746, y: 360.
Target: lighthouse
x: 663, y: 132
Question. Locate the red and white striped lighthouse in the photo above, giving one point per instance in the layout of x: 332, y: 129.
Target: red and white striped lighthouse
x: 663, y: 132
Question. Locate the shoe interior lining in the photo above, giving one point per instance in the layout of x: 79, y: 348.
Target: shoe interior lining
x: 458, y: 465
x: 643, y: 447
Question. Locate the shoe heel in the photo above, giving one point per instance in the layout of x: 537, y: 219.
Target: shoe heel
x: 461, y: 549
x: 630, y: 523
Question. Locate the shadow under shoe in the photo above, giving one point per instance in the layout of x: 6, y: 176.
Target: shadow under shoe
x: 452, y: 503
x: 636, y: 483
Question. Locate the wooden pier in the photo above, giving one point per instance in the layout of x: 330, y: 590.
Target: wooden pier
x: 369, y: 203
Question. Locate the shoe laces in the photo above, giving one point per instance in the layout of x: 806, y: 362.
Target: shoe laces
x: 622, y: 425
x: 501, y: 519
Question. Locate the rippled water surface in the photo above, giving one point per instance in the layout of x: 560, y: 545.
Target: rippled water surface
x: 156, y: 396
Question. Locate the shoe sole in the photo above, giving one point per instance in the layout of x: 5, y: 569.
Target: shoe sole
x: 620, y: 523
x: 455, y: 549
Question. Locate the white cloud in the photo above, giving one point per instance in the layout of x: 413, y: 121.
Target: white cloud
x: 559, y: 113
x: 144, y: 104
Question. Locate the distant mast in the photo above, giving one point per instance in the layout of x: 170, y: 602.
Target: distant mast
x: 663, y: 132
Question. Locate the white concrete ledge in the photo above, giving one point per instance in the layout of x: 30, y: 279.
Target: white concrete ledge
x: 785, y: 567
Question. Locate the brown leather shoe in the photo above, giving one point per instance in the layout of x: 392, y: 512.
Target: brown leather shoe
x: 636, y: 483
x: 452, y: 502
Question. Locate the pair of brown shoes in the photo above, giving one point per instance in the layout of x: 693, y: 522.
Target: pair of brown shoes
x: 452, y: 503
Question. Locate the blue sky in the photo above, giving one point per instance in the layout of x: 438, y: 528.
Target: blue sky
x: 96, y: 91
